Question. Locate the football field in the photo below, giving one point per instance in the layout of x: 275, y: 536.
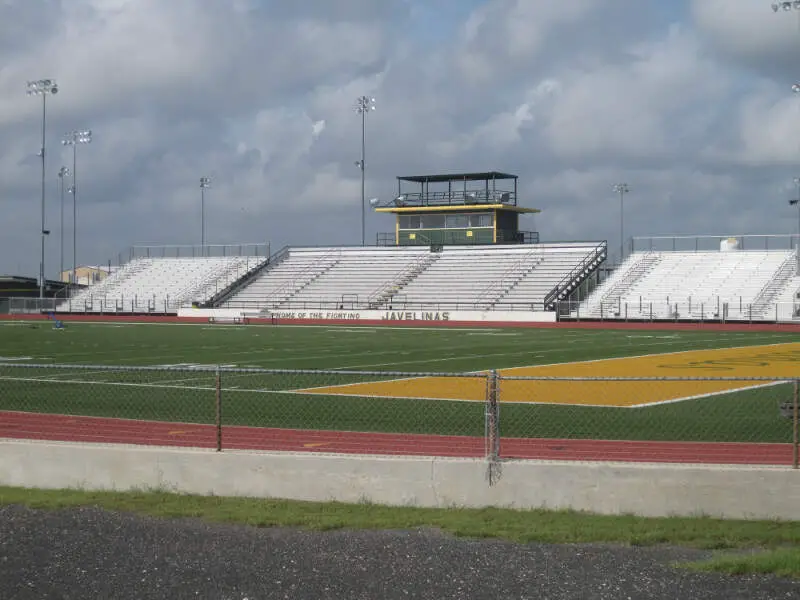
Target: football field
x: 591, y: 382
x: 554, y: 383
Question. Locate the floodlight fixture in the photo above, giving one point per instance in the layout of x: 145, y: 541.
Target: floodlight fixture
x: 786, y: 5
x: 373, y: 202
x: 43, y: 88
x: 364, y: 104
x: 621, y: 189
x: 75, y: 138
x: 78, y: 136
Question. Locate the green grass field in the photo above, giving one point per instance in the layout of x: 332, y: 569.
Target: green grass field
x: 265, y: 399
x: 769, y: 546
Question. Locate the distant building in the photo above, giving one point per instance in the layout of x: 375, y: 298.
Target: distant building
x: 25, y: 293
x: 87, y: 275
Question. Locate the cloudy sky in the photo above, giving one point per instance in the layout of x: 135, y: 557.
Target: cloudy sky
x: 688, y: 101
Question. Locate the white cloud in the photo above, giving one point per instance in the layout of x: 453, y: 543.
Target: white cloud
x: 691, y: 106
x: 749, y: 33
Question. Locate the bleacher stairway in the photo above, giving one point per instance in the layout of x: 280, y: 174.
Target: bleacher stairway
x: 606, y: 298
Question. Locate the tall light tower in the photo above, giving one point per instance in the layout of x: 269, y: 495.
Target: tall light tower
x: 74, y: 138
x: 796, y: 91
x: 42, y: 87
x: 796, y: 202
x: 205, y: 182
x: 364, y: 104
x: 62, y: 173
x: 621, y: 189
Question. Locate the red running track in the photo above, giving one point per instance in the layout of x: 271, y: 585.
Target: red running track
x: 65, y: 428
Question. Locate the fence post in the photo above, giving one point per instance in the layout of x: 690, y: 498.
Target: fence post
x: 218, y: 416
x: 795, y: 411
x: 492, y: 450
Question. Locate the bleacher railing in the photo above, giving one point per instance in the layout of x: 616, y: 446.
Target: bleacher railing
x: 395, y: 303
x: 577, y: 275
x: 719, y: 310
x: 646, y: 311
x: 710, y: 243
x: 199, y: 251
x: 467, y: 197
x: 489, y: 414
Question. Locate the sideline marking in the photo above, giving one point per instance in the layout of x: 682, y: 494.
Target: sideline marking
x: 492, y: 333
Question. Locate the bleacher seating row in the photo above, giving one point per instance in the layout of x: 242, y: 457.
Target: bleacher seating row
x: 161, y: 285
x: 738, y: 285
x: 731, y: 285
x: 454, y: 277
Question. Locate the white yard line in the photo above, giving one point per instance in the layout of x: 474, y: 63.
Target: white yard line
x: 708, y: 395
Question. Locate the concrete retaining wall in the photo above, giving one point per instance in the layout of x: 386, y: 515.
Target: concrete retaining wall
x: 608, y: 488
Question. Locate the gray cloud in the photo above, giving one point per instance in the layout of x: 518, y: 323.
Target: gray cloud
x: 695, y: 114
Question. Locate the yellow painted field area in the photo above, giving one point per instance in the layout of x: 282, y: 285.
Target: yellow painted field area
x: 781, y: 361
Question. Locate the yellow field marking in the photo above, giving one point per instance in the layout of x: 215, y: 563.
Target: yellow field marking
x: 176, y: 432
x: 781, y: 361
x: 315, y: 445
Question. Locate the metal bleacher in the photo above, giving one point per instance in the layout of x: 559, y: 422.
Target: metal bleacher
x: 466, y: 277
x: 452, y: 277
x: 694, y: 285
x: 332, y: 278
x: 556, y: 262
x: 726, y: 284
x: 161, y: 285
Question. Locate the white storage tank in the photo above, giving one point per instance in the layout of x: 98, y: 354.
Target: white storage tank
x: 729, y: 245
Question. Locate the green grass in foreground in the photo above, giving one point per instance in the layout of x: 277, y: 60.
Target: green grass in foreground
x: 777, y: 543
x: 513, y: 525
x: 783, y: 562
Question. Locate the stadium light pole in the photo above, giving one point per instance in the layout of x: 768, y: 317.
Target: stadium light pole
x: 205, y: 182
x: 621, y: 189
x: 364, y: 104
x: 74, y: 138
x: 796, y: 92
x: 42, y: 87
x: 796, y: 202
x: 62, y: 172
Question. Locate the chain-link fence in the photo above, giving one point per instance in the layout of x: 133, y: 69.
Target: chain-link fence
x: 722, y: 419
x: 487, y: 414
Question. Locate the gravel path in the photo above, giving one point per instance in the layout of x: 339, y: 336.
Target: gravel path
x: 89, y: 553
